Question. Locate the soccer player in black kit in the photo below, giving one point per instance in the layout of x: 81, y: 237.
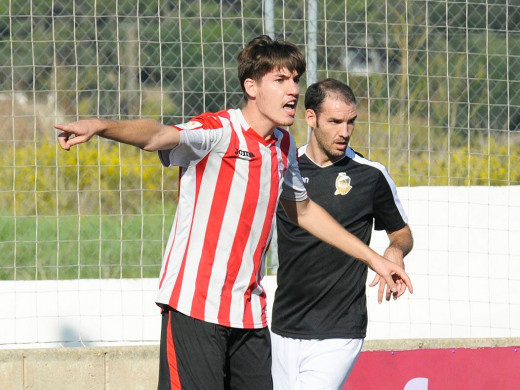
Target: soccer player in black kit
x: 319, y: 313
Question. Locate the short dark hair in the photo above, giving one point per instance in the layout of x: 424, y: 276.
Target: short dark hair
x: 317, y: 92
x: 263, y: 54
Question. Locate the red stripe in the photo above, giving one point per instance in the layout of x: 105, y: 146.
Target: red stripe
x: 200, y: 168
x: 214, y: 227
x: 172, y: 357
x: 260, y: 250
x: 243, y: 231
x: 211, y: 120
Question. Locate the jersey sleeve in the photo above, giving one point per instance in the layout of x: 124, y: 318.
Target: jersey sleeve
x: 389, y: 213
x: 293, y: 187
x: 197, y: 138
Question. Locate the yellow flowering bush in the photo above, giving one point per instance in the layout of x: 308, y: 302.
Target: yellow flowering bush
x: 104, y: 177
x: 99, y: 177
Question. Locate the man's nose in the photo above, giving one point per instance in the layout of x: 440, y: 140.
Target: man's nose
x: 294, y: 88
x: 345, y: 131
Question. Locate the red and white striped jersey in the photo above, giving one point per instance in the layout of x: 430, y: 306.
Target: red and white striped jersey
x: 230, y: 183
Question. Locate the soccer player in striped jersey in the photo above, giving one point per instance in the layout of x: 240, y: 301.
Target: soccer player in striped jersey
x: 235, y: 165
x: 319, y: 312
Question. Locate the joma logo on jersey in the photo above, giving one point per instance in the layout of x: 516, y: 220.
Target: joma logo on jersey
x: 342, y: 184
x: 243, y: 153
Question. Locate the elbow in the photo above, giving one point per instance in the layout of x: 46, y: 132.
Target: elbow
x: 149, y: 147
x: 158, y: 141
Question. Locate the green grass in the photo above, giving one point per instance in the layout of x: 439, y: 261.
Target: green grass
x: 89, y: 247
x: 73, y: 247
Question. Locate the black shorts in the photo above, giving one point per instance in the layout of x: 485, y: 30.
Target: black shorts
x: 200, y: 355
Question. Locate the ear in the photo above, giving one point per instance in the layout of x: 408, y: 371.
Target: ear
x: 310, y: 117
x: 250, y: 88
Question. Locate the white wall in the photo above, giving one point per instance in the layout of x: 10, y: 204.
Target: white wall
x: 465, y: 268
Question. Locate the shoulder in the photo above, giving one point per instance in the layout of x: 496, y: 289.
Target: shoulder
x: 208, y: 120
x: 358, y: 158
x: 301, y: 150
x: 285, y: 141
x: 376, y: 168
x: 281, y: 133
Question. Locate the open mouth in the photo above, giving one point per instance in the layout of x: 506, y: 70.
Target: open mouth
x: 290, y: 107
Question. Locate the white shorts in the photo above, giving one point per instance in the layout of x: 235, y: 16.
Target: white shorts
x: 312, y: 364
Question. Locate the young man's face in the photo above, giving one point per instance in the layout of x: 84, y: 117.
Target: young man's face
x: 332, y: 128
x: 277, y: 95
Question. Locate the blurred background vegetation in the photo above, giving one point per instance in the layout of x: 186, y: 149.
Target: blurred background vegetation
x: 437, y: 84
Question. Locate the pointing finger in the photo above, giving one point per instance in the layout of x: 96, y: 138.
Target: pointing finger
x: 62, y: 139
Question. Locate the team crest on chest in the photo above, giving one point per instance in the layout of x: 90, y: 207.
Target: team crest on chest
x: 342, y: 184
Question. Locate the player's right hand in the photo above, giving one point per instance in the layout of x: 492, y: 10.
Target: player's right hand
x: 75, y: 133
x: 395, y: 277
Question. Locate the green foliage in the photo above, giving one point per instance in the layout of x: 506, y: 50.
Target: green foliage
x: 96, y: 178
x: 420, y: 155
x: 439, y: 112
x: 102, y: 210
x: 106, y: 50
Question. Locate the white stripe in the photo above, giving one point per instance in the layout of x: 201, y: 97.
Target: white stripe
x: 349, y: 152
x: 292, y: 178
x: 184, y: 217
x: 230, y: 223
x: 225, y: 244
x: 198, y: 231
x: 246, y: 270
x: 361, y: 160
x: 167, y: 285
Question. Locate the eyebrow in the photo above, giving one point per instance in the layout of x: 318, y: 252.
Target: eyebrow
x: 285, y: 74
x: 282, y: 75
x: 335, y: 118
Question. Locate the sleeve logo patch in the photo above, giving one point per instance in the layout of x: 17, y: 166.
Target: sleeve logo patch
x: 190, y: 125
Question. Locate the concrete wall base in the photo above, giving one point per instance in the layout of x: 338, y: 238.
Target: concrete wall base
x: 137, y: 367
x: 90, y: 368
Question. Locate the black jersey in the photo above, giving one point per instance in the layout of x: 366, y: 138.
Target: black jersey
x: 321, y: 291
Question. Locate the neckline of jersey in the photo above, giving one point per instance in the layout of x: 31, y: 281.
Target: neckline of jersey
x: 246, y: 129
x: 303, y: 151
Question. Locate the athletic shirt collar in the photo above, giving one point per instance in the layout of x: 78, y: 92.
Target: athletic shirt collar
x: 253, y: 134
x: 349, y: 152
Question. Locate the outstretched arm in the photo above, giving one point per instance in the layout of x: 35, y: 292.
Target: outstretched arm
x: 313, y: 218
x: 401, y: 243
x: 144, y: 133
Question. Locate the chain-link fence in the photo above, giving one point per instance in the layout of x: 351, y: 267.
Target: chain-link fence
x: 437, y: 84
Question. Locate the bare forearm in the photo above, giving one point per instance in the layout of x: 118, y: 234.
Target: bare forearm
x: 313, y: 218
x: 319, y: 223
x: 401, y: 240
x: 146, y: 134
x: 143, y: 133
